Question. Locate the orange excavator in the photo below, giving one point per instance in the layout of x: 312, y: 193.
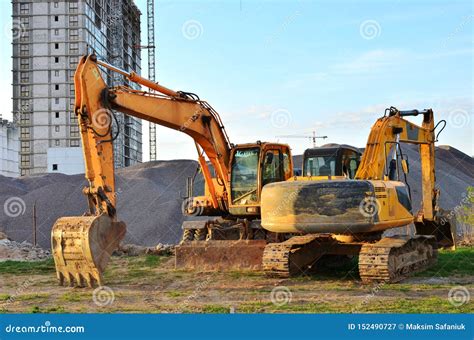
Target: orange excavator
x: 234, y: 176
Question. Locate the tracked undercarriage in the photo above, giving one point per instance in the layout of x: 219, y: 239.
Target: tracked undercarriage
x: 395, y: 258
x: 390, y: 259
x: 215, y: 245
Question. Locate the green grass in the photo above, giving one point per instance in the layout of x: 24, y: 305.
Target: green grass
x: 433, y: 304
x: 453, y: 263
x: 215, y: 309
x: 27, y: 268
x: 308, y: 307
x: 373, y: 305
x: 237, y: 274
x: 144, y: 262
x: 33, y: 296
x: 152, y: 260
x: 175, y: 293
x: 52, y: 309
x: 4, y: 297
x: 75, y: 296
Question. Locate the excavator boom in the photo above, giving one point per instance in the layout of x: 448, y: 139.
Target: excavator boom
x: 82, y: 245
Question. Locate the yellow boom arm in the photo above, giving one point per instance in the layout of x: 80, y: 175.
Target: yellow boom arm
x: 384, y: 136
x: 82, y: 245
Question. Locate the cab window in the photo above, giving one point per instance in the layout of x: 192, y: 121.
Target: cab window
x: 272, y: 167
x: 286, y: 165
x: 244, y: 176
x: 320, y: 166
x: 350, y: 163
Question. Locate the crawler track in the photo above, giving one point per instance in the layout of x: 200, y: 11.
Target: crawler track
x: 394, y: 258
x: 291, y: 257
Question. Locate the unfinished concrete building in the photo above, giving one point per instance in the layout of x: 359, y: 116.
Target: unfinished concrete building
x: 9, y: 146
x: 49, y: 37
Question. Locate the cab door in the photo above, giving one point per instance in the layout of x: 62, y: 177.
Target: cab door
x: 350, y: 163
x: 276, y: 164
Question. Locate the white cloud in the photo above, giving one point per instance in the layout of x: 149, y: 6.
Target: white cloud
x: 369, y: 62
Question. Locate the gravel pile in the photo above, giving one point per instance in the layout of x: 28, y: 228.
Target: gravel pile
x: 24, y: 251
x: 150, y: 196
x: 136, y: 250
x: 148, y: 201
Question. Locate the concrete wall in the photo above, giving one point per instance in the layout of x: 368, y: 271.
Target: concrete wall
x: 9, y: 147
x: 68, y: 161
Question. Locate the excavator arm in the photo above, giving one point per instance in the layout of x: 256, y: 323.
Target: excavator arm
x: 95, y: 106
x: 82, y: 245
x: 383, y: 141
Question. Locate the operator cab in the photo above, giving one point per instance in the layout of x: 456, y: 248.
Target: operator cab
x: 252, y: 167
x: 334, y: 160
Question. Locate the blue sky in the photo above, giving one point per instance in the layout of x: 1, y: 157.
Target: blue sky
x: 281, y: 68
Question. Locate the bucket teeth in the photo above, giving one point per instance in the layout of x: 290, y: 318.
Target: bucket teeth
x: 82, y: 279
x: 82, y: 246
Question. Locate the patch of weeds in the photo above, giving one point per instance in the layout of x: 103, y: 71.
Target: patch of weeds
x: 32, y: 296
x: 175, y: 294
x: 452, y: 263
x: 73, y: 297
x: 396, y: 287
x: 35, y: 309
x: 53, y: 309
x: 215, y: 309
x: 416, y: 305
x: 237, y: 274
x: 311, y: 307
x: 27, y: 268
x: 152, y: 260
x: 4, y: 297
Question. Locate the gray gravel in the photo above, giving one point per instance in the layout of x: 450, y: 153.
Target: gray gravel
x: 149, y: 196
x: 24, y: 251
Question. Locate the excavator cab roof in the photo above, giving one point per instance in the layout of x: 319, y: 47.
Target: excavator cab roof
x: 330, y: 148
x: 257, y: 143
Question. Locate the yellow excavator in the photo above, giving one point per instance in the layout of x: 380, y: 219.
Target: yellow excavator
x: 339, y: 217
x: 233, y: 174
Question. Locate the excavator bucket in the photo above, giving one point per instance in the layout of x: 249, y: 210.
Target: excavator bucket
x: 82, y: 246
x: 220, y: 255
x: 444, y: 229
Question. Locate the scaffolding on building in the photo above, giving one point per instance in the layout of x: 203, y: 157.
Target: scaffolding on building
x: 151, y: 68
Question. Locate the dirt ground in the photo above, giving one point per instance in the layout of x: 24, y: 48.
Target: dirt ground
x: 151, y: 284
